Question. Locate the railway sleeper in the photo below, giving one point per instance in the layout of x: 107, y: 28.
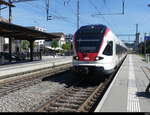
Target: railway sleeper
x: 84, y: 90
x: 73, y: 90
x: 75, y: 98
x: 85, y: 93
x: 71, y: 101
x: 78, y: 95
x: 65, y: 105
x: 60, y: 109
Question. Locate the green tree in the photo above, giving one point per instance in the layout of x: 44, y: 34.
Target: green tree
x: 147, y: 46
x: 142, y: 47
x: 25, y: 44
x: 54, y: 44
x: 66, y: 46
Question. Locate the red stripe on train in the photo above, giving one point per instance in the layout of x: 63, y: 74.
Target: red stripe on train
x: 86, y: 56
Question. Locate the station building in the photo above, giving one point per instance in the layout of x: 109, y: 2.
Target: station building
x: 11, y: 36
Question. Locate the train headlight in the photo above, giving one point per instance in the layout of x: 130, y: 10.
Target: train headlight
x: 76, y: 57
x: 98, y: 58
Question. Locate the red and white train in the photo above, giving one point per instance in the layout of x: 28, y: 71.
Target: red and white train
x: 97, y: 49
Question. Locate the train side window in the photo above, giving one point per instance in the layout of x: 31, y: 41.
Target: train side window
x: 108, y: 49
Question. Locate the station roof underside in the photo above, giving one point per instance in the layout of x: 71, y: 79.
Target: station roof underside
x: 6, y: 3
x: 23, y: 33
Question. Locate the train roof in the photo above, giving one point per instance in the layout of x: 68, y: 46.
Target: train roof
x: 94, y: 28
x: 94, y: 25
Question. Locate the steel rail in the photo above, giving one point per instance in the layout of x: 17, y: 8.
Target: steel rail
x: 13, y: 84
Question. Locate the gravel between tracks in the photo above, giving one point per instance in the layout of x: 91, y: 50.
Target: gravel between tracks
x: 28, y: 99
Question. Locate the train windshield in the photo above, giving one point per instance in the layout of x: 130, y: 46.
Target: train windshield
x: 89, y: 41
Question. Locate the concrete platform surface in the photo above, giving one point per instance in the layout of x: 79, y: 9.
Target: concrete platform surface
x: 127, y: 91
x: 47, y: 61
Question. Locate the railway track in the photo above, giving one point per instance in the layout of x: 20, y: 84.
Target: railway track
x: 74, y: 96
x: 83, y: 96
x: 21, y: 81
x: 80, y: 97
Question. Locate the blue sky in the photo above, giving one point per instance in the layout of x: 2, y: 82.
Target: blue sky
x: 64, y: 16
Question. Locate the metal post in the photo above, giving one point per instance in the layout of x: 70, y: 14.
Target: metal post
x: 31, y: 49
x: 123, y: 3
x: 78, y: 13
x: 47, y: 9
x: 10, y: 12
x: 145, y: 44
x: 137, y: 39
x: 10, y: 39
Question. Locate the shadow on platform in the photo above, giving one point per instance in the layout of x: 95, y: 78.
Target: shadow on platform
x: 143, y: 94
x: 143, y: 60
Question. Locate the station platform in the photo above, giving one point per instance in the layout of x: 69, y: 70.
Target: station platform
x: 47, y: 61
x: 126, y: 93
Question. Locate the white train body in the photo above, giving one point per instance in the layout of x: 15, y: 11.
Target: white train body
x: 96, y: 48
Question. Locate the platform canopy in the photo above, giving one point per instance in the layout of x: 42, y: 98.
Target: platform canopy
x: 23, y: 33
x: 6, y: 3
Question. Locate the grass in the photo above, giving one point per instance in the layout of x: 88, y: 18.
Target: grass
x: 142, y: 55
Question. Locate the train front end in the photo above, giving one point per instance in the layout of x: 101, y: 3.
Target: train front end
x: 87, y: 45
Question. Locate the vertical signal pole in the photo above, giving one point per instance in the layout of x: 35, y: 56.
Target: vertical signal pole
x: 78, y: 13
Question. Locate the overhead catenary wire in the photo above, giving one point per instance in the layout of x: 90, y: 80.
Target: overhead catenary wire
x: 75, y: 13
x: 56, y: 15
x: 40, y: 9
x: 115, y: 25
x: 112, y: 24
x: 97, y: 10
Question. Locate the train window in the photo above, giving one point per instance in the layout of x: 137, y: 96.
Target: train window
x: 108, y: 49
x: 88, y: 42
x: 120, y: 49
x: 89, y: 38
